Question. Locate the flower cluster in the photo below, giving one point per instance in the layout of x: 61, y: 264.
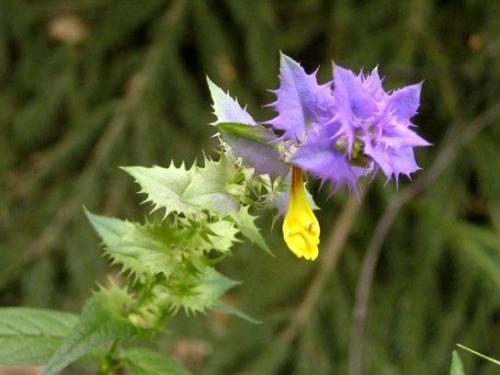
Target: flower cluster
x: 348, y: 128
x: 337, y: 131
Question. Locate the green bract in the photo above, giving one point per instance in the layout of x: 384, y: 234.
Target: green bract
x: 170, y: 260
x: 168, y: 263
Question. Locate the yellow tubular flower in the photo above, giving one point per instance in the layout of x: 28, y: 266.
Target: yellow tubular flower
x: 300, y: 228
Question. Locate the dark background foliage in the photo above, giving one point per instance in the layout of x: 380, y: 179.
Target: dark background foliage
x: 89, y: 85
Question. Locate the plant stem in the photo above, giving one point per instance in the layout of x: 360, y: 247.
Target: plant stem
x: 108, y: 363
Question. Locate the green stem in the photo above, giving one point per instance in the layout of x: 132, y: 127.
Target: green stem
x: 493, y: 360
x: 109, y: 362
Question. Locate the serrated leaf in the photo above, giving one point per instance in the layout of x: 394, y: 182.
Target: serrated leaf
x: 31, y: 336
x: 253, y: 144
x: 222, y: 235
x: 210, y: 285
x: 208, y: 189
x: 102, y: 321
x: 218, y: 235
x: 226, y: 108
x: 143, y: 361
x: 164, y: 187
x: 139, y: 248
x: 457, y: 367
x: 246, y: 223
x: 277, y: 195
x: 189, y: 192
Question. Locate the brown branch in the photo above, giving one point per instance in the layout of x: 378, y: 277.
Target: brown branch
x: 455, y: 141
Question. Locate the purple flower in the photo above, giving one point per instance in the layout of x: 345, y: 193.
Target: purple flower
x: 337, y: 132
x: 263, y: 158
x: 300, y: 101
x: 370, y: 129
x: 378, y: 121
x: 321, y: 157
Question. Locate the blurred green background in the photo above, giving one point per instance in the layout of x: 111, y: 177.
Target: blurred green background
x: 90, y: 85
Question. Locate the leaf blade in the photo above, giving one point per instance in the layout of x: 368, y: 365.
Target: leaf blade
x: 246, y: 224
x: 228, y: 309
x: 143, y: 361
x: 208, y: 189
x: 101, y: 322
x: 164, y: 187
x: 227, y: 109
x: 209, y: 286
x: 457, y: 368
x: 30, y: 336
x: 138, y: 248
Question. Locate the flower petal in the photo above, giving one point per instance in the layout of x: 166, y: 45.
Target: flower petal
x: 405, y: 102
x: 300, y: 100
x: 373, y: 83
x: 301, y: 228
x: 319, y: 157
x: 351, y: 95
x: 401, y: 136
x: 392, y: 161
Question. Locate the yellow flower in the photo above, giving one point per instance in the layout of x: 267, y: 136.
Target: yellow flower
x: 300, y: 228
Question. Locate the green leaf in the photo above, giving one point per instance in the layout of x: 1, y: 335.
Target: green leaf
x: 254, y: 133
x: 227, y: 108
x: 31, y: 336
x: 190, y: 191
x: 209, y: 286
x: 228, y: 309
x: 164, y: 187
x: 209, y: 185
x: 139, y: 248
x: 254, y: 145
x: 246, y: 223
x: 276, y: 194
x: 103, y: 320
x: 457, y: 367
x: 218, y: 235
x: 143, y: 361
x: 222, y: 235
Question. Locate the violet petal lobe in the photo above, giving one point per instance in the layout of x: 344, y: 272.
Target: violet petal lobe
x: 405, y: 102
x: 401, y: 136
x: 318, y: 156
x: 352, y: 95
x: 392, y: 161
x: 377, y: 121
x: 300, y: 100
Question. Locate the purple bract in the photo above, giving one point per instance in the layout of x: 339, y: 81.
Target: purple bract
x: 340, y: 130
